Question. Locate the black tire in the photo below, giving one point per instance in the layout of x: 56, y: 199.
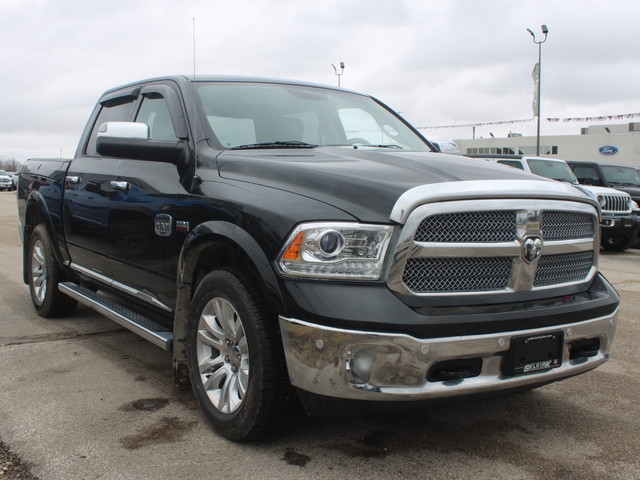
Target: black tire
x: 244, y: 390
x: 618, y: 244
x: 44, y: 274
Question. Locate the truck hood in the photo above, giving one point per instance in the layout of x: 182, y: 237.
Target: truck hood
x: 364, y: 182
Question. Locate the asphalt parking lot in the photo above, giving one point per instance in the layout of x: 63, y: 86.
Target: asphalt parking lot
x: 81, y: 398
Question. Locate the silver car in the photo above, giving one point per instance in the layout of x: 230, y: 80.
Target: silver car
x: 6, y: 182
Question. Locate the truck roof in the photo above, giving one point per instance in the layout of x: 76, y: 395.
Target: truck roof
x: 184, y: 79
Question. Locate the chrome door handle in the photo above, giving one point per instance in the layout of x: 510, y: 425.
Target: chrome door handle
x: 122, y: 186
x: 72, y: 180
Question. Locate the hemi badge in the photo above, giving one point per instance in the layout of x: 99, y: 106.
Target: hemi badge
x: 163, y: 225
x: 182, y: 226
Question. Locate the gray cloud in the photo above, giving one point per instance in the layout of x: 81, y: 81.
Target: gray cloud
x: 437, y: 62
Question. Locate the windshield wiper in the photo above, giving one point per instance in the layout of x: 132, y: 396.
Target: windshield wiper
x: 391, y: 145
x: 367, y: 145
x: 279, y: 144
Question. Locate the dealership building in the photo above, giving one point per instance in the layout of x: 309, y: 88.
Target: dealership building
x: 616, y: 144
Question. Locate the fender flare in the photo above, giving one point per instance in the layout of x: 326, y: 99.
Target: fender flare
x: 200, y: 239
x: 35, y: 200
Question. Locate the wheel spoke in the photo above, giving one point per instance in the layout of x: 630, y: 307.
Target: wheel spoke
x: 211, y: 364
x: 37, y: 255
x: 209, y: 322
x: 226, y: 316
x: 225, y: 395
x: 211, y: 339
x: 234, y: 396
x: 213, y: 382
x: 243, y: 382
x: 243, y: 347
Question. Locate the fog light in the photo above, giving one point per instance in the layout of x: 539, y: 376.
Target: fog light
x: 359, y: 366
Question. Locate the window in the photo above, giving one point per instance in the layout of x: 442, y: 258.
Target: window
x: 115, y: 113
x: 248, y: 113
x: 552, y: 169
x: 621, y: 175
x: 512, y: 163
x: 155, y: 113
x: 232, y: 132
x: 532, y: 150
x: 360, y: 127
x: 585, y: 174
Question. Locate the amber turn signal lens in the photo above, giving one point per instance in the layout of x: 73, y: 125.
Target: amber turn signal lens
x: 293, y: 251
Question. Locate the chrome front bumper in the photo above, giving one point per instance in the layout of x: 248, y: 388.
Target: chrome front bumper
x: 362, y: 365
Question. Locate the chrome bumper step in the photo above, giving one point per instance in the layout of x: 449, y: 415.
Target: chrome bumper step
x: 123, y: 316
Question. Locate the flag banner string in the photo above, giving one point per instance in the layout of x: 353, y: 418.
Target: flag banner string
x: 601, y: 118
x: 505, y: 122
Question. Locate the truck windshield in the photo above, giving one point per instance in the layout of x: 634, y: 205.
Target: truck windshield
x: 552, y: 169
x: 621, y: 175
x: 272, y: 115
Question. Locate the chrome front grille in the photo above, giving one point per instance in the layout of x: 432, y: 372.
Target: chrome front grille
x: 499, y: 226
x: 566, y: 226
x: 466, y: 274
x: 616, y: 203
x: 562, y: 268
x: 473, y: 247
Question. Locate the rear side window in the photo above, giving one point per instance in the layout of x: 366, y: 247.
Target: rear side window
x: 512, y: 163
x: 116, y: 113
x: 585, y: 173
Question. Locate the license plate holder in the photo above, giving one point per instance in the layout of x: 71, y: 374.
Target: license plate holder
x: 530, y: 354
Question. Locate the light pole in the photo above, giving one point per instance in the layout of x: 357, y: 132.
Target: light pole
x: 336, y: 70
x: 545, y: 30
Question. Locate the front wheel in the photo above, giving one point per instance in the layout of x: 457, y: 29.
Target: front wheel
x: 618, y: 244
x: 44, y: 274
x: 235, y: 358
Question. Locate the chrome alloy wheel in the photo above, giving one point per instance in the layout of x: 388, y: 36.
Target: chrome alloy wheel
x: 222, y: 355
x: 39, y: 272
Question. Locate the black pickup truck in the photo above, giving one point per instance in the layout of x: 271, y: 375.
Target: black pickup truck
x: 289, y: 241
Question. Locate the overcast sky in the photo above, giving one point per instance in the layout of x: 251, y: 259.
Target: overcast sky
x: 437, y: 62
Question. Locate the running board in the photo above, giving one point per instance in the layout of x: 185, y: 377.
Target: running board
x: 138, y: 324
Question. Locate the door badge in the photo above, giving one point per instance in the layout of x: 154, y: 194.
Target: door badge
x: 163, y: 224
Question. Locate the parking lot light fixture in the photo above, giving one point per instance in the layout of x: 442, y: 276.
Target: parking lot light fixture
x: 545, y: 30
x: 336, y: 70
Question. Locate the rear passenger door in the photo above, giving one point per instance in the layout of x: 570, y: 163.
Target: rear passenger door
x: 142, y: 223
x: 87, y: 191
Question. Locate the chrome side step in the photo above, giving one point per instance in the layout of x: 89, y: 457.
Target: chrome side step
x: 138, y: 324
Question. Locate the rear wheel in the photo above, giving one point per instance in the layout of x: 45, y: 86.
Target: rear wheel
x: 44, y: 274
x: 235, y: 358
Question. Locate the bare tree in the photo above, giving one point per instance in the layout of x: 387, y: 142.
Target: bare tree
x: 9, y: 164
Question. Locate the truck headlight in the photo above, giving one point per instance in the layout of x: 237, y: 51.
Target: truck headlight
x: 336, y: 251
x: 602, y: 201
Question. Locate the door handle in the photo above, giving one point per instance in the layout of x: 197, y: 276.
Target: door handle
x: 122, y: 186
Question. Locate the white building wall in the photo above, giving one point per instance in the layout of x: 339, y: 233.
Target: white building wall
x: 569, y: 147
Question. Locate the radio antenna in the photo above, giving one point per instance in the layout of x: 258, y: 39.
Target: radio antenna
x: 195, y: 104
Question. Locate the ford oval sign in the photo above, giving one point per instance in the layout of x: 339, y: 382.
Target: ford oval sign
x: 608, y: 150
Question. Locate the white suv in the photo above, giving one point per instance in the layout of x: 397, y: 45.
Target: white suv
x: 618, y: 227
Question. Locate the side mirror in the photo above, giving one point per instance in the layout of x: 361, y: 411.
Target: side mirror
x: 131, y: 140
